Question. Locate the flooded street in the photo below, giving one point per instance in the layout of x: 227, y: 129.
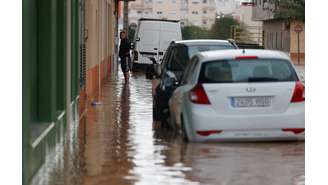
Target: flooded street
x: 117, y: 143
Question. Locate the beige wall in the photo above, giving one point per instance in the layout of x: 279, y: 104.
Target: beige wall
x: 100, y: 24
x: 293, y: 37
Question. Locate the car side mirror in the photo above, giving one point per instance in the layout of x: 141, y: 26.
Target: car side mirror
x: 138, y: 39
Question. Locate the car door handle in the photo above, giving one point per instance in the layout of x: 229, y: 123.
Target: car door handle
x: 155, y: 49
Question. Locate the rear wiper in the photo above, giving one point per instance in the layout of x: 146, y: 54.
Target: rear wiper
x: 261, y: 79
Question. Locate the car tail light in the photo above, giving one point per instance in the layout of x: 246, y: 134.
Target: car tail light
x: 294, y: 130
x: 246, y: 57
x: 299, y: 93
x: 198, y: 95
x: 208, y: 132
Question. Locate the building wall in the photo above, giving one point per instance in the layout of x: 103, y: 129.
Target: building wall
x: 294, y: 45
x: 276, y: 35
x: 55, y: 94
x: 189, y: 12
x: 50, y: 38
x: 263, y: 10
x: 100, y: 44
x: 279, y: 34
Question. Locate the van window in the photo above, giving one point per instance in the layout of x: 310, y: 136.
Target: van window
x: 250, y: 70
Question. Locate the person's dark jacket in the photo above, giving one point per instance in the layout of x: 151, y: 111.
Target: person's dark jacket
x: 124, y: 48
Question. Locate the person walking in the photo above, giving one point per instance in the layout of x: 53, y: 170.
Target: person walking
x: 124, y: 54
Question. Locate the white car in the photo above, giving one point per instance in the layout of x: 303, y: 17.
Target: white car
x: 242, y: 95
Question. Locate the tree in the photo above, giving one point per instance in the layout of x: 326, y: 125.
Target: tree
x: 222, y: 28
x: 131, y: 32
x: 194, y: 32
x: 290, y: 9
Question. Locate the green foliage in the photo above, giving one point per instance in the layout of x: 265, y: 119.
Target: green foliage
x: 131, y: 32
x: 291, y: 9
x: 194, y: 32
x: 220, y: 30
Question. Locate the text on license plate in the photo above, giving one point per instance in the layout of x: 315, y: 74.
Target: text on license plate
x: 258, y: 101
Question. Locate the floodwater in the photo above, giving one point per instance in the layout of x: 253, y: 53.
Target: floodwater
x: 118, y: 144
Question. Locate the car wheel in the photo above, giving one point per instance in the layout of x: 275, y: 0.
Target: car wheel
x: 164, y: 115
x: 183, y: 130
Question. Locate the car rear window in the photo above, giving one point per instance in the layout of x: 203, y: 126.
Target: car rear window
x: 183, y: 53
x: 247, y: 70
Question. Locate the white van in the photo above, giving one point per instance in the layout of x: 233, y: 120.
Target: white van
x: 152, y: 38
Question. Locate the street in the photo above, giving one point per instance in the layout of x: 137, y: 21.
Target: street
x: 118, y: 143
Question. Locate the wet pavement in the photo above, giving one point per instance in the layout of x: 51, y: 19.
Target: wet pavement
x: 118, y: 144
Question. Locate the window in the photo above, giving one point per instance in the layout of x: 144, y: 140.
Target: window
x: 195, y: 2
x: 204, y: 22
x: 159, y: 13
x: 194, y: 12
x: 187, y: 74
x: 204, y: 1
x: 182, y: 54
x: 204, y: 12
x: 172, y: 12
x: 250, y: 70
x: 179, y: 58
x: 174, y: 1
x: 166, y: 57
x: 139, y: 12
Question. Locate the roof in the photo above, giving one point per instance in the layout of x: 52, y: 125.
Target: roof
x: 201, y: 41
x: 233, y: 53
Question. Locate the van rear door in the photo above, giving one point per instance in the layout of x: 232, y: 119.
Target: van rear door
x: 170, y: 31
x: 149, y: 40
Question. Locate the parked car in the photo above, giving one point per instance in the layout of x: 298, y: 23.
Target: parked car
x: 239, y: 95
x: 152, y: 38
x: 170, y: 70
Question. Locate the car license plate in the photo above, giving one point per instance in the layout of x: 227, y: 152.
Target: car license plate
x: 259, y: 101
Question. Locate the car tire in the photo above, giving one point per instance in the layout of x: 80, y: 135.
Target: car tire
x: 183, y: 131
x: 164, y: 118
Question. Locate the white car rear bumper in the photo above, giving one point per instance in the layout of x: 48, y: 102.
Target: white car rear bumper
x: 244, y: 127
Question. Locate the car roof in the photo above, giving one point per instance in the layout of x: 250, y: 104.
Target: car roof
x: 233, y: 53
x: 201, y: 41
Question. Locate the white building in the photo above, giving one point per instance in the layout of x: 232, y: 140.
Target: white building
x: 190, y: 12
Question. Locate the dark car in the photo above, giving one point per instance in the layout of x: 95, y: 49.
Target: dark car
x: 171, y: 70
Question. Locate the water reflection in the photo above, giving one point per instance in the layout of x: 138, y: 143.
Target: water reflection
x: 118, y: 144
